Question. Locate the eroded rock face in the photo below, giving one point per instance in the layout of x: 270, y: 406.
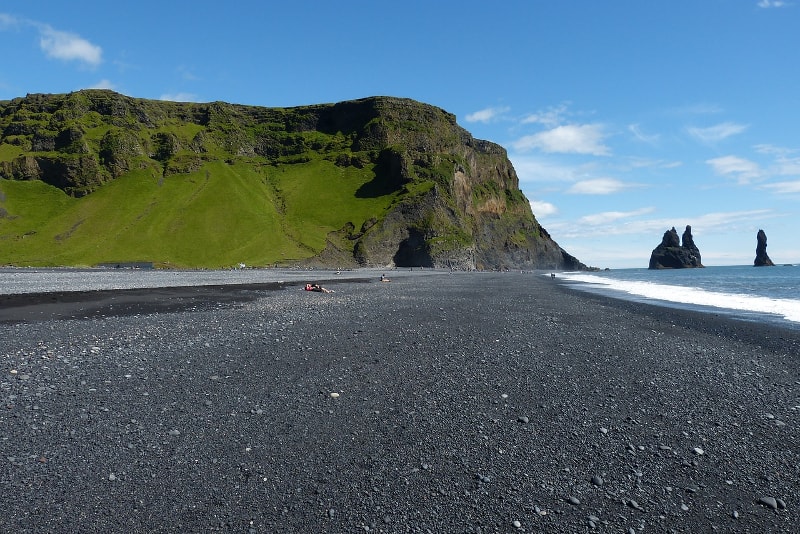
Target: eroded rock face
x: 762, y: 260
x: 670, y: 254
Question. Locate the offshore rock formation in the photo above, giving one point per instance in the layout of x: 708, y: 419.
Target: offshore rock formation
x: 670, y: 254
x: 398, y: 183
x: 762, y: 260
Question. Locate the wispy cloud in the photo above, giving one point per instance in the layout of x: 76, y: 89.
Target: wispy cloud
x: 608, y: 217
x: 179, y: 97
x: 598, y: 186
x: 567, y: 139
x: 766, y: 4
x: 487, y: 115
x: 552, y: 116
x: 103, y: 84
x: 542, y: 209
x: 591, y: 226
x: 68, y: 46
x: 639, y: 135
x: 784, y: 188
x: 7, y: 21
x: 743, y: 170
x: 542, y: 169
x: 717, y: 132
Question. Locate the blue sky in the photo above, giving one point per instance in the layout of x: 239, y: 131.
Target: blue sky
x: 622, y: 118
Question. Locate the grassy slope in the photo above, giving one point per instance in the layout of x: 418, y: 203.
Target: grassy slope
x: 217, y: 216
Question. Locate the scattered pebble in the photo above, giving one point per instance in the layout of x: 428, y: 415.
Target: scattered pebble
x: 573, y: 500
x: 523, y: 419
x: 698, y: 451
x: 516, y: 524
x: 334, y: 395
x: 597, y: 480
x: 769, y: 502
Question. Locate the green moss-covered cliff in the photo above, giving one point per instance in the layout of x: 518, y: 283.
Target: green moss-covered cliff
x: 96, y: 177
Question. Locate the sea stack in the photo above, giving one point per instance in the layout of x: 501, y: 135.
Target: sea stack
x: 762, y: 260
x: 670, y: 254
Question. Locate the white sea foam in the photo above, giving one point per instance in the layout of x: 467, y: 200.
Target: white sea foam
x: 789, y: 309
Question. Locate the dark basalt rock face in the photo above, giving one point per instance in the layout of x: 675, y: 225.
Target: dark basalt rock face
x: 762, y: 260
x: 670, y: 254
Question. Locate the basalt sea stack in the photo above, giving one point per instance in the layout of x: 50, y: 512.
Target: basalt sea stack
x: 671, y: 254
x: 762, y: 259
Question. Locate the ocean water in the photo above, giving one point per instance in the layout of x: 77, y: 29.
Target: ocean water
x: 763, y: 294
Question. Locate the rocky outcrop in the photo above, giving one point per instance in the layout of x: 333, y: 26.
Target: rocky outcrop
x: 762, y: 260
x: 671, y: 254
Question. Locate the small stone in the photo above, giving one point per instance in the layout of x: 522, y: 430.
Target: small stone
x: 597, y: 480
x: 603, y: 430
x: 334, y: 395
x: 112, y: 477
x: 174, y: 432
x: 523, y: 419
x: 769, y: 502
x: 735, y: 514
x: 573, y: 500
x: 331, y: 513
x: 684, y: 507
x: 516, y: 524
x: 633, y: 504
x: 781, y: 504
x: 698, y: 451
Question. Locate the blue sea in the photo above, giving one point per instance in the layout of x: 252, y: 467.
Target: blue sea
x: 762, y: 294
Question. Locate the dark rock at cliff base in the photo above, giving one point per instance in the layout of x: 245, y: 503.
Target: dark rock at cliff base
x: 670, y: 254
x: 762, y: 260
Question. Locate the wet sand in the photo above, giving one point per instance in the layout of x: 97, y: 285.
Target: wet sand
x: 498, y: 402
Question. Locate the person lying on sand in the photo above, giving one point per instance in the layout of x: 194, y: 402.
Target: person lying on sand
x: 318, y: 288
x: 384, y: 279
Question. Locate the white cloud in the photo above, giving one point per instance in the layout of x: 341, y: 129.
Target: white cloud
x: 608, y: 217
x: 597, y: 186
x: 179, y: 97
x: 568, y: 139
x: 486, y: 115
x: 766, y: 4
x: 717, y: 132
x: 745, y: 171
x: 784, y: 188
x: 68, y: 46
x: 542, y: 209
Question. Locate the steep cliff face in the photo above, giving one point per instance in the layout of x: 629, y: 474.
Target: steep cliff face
x: 429, y: 193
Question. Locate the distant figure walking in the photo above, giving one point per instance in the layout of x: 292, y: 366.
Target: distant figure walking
x: 552, y: 275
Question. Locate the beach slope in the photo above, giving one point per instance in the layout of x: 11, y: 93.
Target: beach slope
x: 463, y: 402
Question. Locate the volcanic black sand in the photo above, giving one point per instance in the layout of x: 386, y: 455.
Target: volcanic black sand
x: 499, y: 402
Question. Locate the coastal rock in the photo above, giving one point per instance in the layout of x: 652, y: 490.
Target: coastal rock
x: 670, y: 254
x: 762, y: 259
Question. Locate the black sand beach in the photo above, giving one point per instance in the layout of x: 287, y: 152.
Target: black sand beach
x: 460, y: 403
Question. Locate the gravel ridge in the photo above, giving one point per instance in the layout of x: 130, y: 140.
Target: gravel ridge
x: 464, y: 402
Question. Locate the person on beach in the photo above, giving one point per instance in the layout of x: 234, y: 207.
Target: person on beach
x: 318, y: 288
x: 384, y: 279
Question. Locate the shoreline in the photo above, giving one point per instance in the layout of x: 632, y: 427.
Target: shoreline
x: 493, y: 402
